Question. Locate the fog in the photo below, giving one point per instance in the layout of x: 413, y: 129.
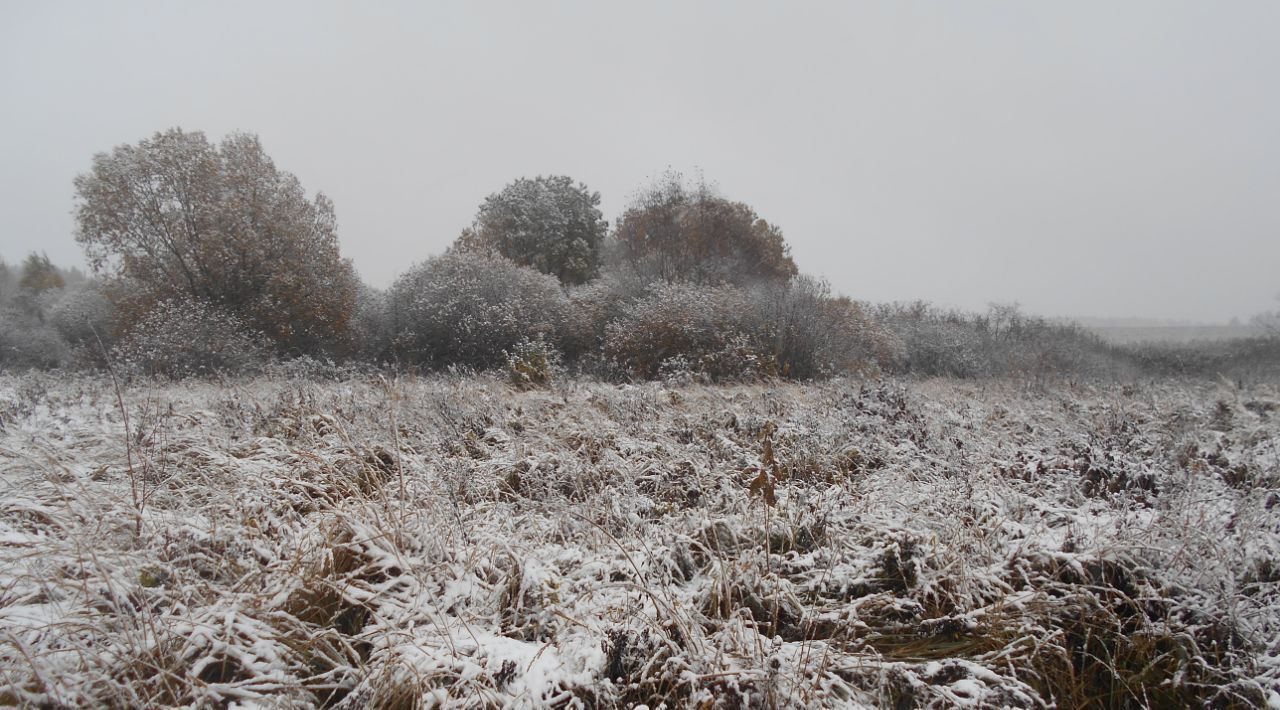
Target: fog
x: 1083, y: 159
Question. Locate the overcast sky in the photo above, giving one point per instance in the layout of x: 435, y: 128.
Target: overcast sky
x: 1081, y: 158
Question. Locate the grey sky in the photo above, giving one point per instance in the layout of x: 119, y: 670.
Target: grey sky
x: 1082, y: 158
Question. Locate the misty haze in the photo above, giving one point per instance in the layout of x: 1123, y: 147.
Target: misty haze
x: 666, y: 355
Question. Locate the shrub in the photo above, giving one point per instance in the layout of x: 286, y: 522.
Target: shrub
x: 793, y: 329
x: 532, y: 363
x: 700, y: 327
x: 592, y: 307
x: 812, y: 334
x: 934, y: 342
x: 470, y: 308
x: 181, y: 338
x: 83, y: 316
x: 25, y: 343
x: 1000, y: 343
x: 47, y: 317
x: 1240, y: 358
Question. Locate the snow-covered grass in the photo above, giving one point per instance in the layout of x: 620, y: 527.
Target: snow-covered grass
x: 453, y: 541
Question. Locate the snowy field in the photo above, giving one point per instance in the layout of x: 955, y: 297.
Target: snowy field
x: 453, y: 542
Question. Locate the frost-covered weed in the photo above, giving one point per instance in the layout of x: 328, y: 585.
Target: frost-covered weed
x: 458, y: 542
x: 532, y: 363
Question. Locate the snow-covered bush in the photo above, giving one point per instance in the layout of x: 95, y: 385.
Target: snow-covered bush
x: 469, y: 308
x: 703, y: 326
x: 1044, y: 350
x: 83, y: 316
x: 592, y: 307
x: 1000, y: 343
x: 813, y: 334
x: 26, y: 343
x: 181, y: 338
x: 1255, y: 359
x: 794, y: 330
x: 935, y: 342
x: 685, y: 231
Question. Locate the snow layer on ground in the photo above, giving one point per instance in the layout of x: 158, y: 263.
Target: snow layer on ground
x: 454, y: 542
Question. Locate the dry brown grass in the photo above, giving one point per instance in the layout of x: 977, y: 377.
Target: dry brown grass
x: 459, y: 542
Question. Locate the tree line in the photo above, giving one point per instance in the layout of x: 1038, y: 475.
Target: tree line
x: 208, y: 258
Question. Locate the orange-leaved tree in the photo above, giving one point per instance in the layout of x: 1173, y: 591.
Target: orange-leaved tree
x: 678, y: 232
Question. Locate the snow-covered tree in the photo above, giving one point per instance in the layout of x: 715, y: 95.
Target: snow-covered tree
x: 547, y: 223
x: 178, y: 216
x: 369, y: 335
x: 8, y: 284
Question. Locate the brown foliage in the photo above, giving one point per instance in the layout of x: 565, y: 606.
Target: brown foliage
x: 690, y: 233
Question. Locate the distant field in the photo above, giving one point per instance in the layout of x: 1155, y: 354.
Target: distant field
x: 453, y: 542
x: 1124, y: 335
